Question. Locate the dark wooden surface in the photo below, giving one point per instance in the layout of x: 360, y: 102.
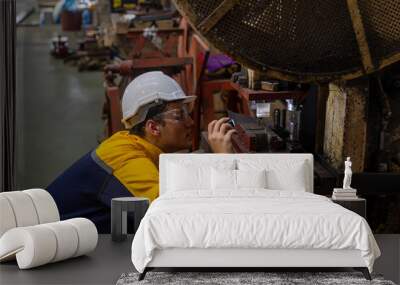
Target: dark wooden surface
x: 358, y: 206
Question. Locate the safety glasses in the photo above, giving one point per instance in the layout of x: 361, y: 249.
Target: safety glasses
x: 178, y: 114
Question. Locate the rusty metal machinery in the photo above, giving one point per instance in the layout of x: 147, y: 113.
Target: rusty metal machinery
x: 301, y: 40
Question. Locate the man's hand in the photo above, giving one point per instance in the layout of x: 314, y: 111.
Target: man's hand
x: 219, y: 136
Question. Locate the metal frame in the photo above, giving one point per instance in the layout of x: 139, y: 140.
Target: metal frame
x: 363, y: 270
x: 203, y: 27
x: 7, y: 95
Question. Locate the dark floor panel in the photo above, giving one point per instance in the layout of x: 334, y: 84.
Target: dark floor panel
x: 58, y: 109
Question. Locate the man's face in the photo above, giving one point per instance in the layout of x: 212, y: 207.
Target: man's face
x: 176, y: 128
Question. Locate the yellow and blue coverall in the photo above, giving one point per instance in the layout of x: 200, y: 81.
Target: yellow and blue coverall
x: 123, y: 165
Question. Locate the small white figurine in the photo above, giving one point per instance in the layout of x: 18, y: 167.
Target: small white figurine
x: 347, y: 174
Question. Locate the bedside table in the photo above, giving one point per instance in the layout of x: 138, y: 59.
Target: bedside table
x: 357, y: 205
x: 120, y: 207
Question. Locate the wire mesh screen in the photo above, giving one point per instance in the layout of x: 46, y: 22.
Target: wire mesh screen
x: 302, y: 40
x: 203, y: 8
x: 382, y: 25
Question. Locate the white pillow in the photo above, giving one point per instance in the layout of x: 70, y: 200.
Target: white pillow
x: 189, y: 176
x: 291, y: 175
x: 225, y: 179
x: 251, y: 178
x: 183, y: 178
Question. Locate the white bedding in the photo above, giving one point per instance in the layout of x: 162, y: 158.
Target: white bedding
x: 252, y: 218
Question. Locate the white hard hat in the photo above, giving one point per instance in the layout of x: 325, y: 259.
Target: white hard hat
x: 146, y: 89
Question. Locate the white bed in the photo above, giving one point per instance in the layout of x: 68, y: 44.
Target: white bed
x: 248, y: 210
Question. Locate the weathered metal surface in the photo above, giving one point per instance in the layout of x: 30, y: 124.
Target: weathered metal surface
x: 346, y: 124
x: 359, y: 30
x: 355, y: 125
x: 216, y: 15
x: 334, y: 132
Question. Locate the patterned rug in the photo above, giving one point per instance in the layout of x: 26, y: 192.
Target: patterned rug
x: 243, y: 278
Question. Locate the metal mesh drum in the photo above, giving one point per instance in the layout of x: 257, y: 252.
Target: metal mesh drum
x: 301, y: 40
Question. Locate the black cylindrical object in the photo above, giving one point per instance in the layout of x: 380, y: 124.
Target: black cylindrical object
x: 277, y: 118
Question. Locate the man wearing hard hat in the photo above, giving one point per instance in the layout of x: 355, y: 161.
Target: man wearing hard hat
x: 156, y: 114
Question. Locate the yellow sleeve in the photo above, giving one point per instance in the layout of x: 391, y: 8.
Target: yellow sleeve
x: 140, y: 177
